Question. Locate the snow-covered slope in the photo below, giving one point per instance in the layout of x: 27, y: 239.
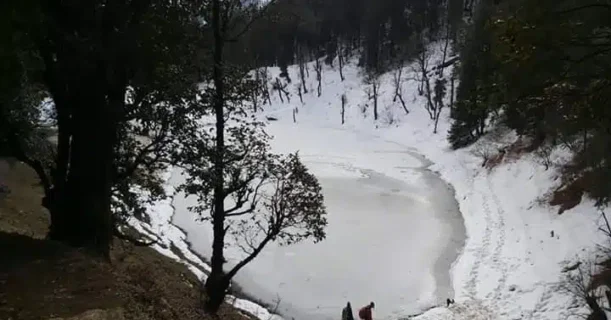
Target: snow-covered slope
x: 516, y: 247
x: 510, y: 262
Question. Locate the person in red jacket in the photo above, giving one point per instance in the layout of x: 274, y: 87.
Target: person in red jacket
x: 365, y: 312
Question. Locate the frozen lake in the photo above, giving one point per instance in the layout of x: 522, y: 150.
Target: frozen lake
x: 394, y: 231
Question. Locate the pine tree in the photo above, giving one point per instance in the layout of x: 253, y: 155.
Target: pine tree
x: 476, y: 84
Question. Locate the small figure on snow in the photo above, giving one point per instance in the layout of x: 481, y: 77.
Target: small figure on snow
x: 347, y: 312
x: 365, y: 312
x: 449, y: 302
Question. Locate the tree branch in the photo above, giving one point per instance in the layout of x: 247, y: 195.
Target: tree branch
x: 251, y: 256
x: 141, y: 156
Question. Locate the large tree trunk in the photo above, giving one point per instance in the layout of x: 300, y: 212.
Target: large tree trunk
x: 53, y: 200
x: 80, y: 212
x: 217, y: 283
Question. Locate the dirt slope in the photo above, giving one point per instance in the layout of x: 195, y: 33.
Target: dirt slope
x: 41, y: 279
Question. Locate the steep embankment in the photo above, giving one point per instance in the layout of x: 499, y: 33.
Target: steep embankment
x: 42, y: 279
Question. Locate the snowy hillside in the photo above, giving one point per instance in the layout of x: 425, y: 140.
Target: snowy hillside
x: 516, y: 246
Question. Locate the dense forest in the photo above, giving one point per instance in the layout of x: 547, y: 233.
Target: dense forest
x: 381, y: 32
x: 541, y: 69
x: 123, y: 77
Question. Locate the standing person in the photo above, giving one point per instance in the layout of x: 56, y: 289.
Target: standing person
x: 365, y: 312
x: 347, y: 312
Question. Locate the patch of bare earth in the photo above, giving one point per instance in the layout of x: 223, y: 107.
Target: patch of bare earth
x: 42, y: 279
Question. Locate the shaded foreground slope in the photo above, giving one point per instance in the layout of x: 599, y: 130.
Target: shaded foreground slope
x: 41, y: 279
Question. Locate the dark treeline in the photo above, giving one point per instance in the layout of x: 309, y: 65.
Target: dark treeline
x: 381, y: 31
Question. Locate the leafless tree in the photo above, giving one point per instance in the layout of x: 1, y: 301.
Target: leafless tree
x: 434, y: 95
x: 281, y: 89
x: 579, y: 284
x: 397, y: 81
x: 439, y: 95
x: 340, y: 58
x: 452, y: 89
x: 302, y: 68
x: 446, y: 38
x: 299, y: 93
x: 257, y: 90
x: 422, y: 64
x: 373, y: 89
x: 344, y: 101
x: 264, y: 76
x: 318, y: 68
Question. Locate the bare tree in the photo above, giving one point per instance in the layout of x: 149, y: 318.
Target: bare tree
x: 579, y: 284
x: 318, y: 68
x: 281, y: 89
x: 422, y: 63
x: 452, y: 89
x: 264, y: 76
x: 397, y: 82
x: 302, y: 68
x: 373, y: 87
x: 447, y: 37
x: 434, y: 96
x: 440, y: 92
x: 340, y: 58
x: 299, y: 93
x: 344, y: 101
x: 257, y: 90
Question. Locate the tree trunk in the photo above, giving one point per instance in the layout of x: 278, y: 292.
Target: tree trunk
x: 403, y: 103
x: 217, y: 284
x: 452, y: 109
x: 343, y: 108
x: 375, y: 101
x: 319, y: 76
x: 340, y: 58
x: 53, y: 200
x: 254, y: 102
x: 302, y: 75
x: 437, y: 114
x: 80, y: 210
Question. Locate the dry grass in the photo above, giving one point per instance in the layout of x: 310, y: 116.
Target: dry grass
x: 41, y: 279
x: 569, y: 195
